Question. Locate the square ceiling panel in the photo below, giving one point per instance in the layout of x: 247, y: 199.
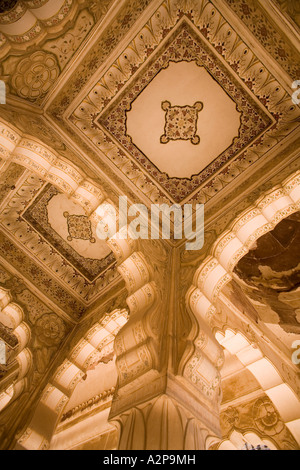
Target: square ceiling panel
x: 154, y: 121
x: 181, y: 84
x: 48, y: 238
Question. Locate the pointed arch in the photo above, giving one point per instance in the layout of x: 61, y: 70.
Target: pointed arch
x: 96, y: 343
x: 217, y: 268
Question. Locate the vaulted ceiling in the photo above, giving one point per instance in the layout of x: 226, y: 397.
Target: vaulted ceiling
x: 164, y: 101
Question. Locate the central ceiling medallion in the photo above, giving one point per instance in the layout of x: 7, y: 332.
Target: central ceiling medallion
x: 181, y: 122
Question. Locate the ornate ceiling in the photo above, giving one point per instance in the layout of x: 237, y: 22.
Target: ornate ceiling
x: 114, y: 90
x: 163, y: 101
x: 184, y: 53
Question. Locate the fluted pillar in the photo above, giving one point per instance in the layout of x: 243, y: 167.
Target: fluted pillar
x: 161, y: 423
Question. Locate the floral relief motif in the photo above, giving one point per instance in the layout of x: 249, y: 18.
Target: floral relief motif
x: 50, y: 329
x: 272, y: 40
x: 35, y: 75
x: 181, y: 122
x: 266, y: 417
x: 183, y: 45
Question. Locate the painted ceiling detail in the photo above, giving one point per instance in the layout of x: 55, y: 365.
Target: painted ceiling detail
x: 47, y: 215
x: 116, y: 113
x: 33, y: 216
x: 181, y: 122
x: 181, y: 80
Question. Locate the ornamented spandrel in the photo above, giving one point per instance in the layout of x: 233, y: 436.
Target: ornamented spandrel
x: 79, y: 227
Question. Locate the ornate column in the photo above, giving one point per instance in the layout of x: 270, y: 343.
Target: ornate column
x: 168, y: 390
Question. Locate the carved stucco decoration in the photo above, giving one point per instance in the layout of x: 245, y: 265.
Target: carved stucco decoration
x: 90, y: 347
x: 136, y: 284
x: 49, y: 331
x: 35, y: 75
x: 40, y: 315
x: 258, y: 416
x: 240, y: 60
x: 216, y: 270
